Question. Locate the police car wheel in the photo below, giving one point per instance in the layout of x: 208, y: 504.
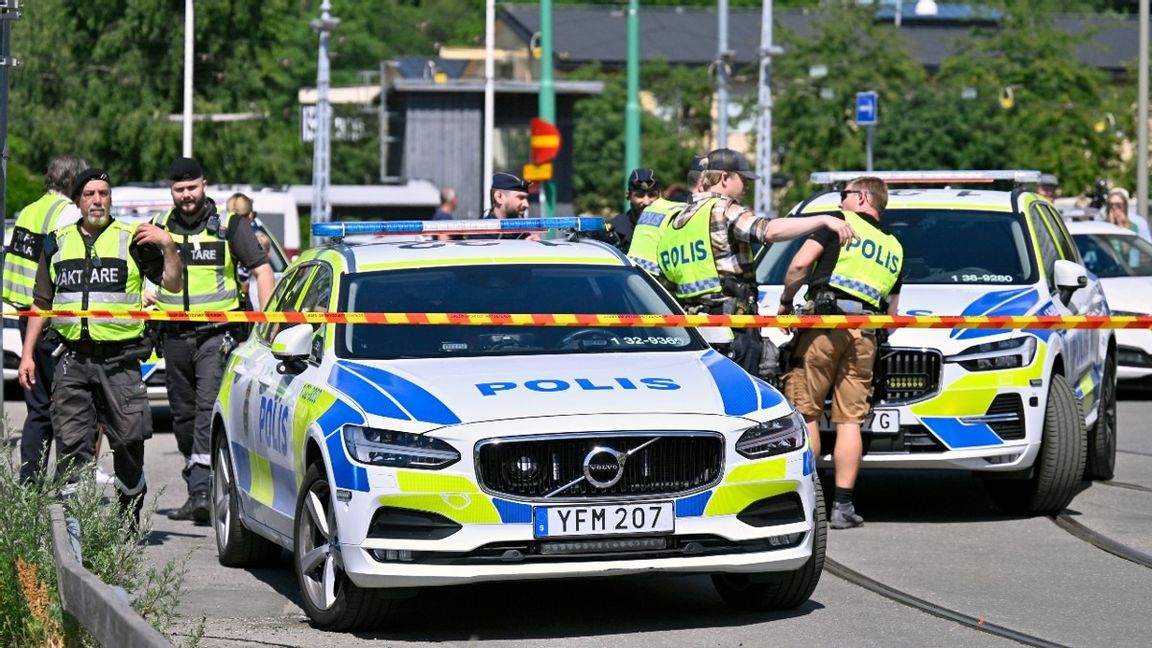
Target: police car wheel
x: 1102, y: 437
x: 1059, y: 464
x: 780, y: 590
x: 329, y: 597
x: 236, y: 546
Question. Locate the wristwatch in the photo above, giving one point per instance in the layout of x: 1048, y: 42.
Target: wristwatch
x: 786, y: 301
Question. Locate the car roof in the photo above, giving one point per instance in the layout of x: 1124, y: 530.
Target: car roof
x: 1097, y: 227
x: 942, y: 198
x: 386, y: 254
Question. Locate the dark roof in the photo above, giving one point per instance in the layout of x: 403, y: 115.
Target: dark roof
x: 683, y: 35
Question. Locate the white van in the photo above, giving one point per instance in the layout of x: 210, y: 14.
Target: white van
x: 276, y: 209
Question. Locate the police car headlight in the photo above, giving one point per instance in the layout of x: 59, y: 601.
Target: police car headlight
x: 398, y: 449
x: 1005, y: 354
x: 774, y: 437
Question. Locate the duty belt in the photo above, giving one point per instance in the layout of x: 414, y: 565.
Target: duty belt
x: 100, y: 350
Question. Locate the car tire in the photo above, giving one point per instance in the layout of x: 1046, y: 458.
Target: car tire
x: 236, y: 546
x: 780, y: 590
x: 330, y: 599
x: 1101, y: 462
x: 1059, y: 464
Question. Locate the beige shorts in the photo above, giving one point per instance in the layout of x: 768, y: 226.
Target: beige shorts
x: 837, y: 361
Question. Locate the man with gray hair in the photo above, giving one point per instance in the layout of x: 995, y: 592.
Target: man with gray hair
x: 50, y: 212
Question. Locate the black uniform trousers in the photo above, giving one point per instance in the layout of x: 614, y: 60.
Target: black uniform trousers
x: 90, y: 390
x: 36, y: 437
x: 194, y: 368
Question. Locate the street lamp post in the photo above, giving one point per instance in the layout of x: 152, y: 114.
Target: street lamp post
x: 321, y: 153
x: 189, y: 39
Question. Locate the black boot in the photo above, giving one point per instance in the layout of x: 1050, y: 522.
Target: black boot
x: 184, y: 512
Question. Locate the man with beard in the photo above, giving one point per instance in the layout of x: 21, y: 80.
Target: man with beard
x: 212, y: 247
x: 99, y: 264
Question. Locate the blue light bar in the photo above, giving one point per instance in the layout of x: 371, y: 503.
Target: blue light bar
x: 477, y: 226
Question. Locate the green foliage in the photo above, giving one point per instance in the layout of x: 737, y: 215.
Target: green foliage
x: 30, y: 608
x: 682, y: 97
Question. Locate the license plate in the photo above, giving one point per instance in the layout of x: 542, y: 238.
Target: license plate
x: 881, y: 421
x: 604, y: 519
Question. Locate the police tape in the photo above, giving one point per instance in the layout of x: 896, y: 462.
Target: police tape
x: 608, y: 320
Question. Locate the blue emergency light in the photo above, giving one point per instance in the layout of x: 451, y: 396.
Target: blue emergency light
x: 489, y: 225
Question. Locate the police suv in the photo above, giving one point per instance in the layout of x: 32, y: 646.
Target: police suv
x: 1030, y: 410
x: 398, y: 456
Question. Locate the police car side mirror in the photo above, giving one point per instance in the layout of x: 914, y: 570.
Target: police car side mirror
x: 1070, y: 277
x: 292, y: 347
x: 714, y: 335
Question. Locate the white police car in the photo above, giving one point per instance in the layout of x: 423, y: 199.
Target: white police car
x: 1009, y: 405
x: 1123, y: 262
x: 391, y: 457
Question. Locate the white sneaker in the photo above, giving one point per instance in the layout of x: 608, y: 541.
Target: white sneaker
x: 103, y: 478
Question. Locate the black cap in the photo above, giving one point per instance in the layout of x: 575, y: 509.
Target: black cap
x: 184, y: 168
x: 86, y: 176
x: 728, y: 160
x: 697, y: 163
x: 643, y: 180
x: 508, y: 182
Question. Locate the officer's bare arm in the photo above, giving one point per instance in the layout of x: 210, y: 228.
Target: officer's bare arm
x: 149, y: 234
x: 893, y: 304
x: 27, y: 371
x: 793, y: 227
x: 264, y: 282
x: 798, y: 269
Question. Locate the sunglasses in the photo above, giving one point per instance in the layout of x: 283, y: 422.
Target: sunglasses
x: 1116, y: 205
x: 650, y: 193
x: 844, y: 193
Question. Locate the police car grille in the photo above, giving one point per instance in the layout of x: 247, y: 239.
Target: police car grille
x: 538, y: 467
x: 909, y: 375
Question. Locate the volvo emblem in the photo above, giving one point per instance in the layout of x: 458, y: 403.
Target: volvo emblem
x: 603, y: 466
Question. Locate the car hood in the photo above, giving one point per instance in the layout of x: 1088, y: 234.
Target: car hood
x: 936, y: 299
x: 1129, y: 294
x: 467, y: 390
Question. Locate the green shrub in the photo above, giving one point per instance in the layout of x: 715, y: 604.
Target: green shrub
x: 30, y: 609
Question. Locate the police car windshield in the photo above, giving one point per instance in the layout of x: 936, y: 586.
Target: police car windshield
x: 1115, y: 255
x: 940, y: 247
x: 521, y: 288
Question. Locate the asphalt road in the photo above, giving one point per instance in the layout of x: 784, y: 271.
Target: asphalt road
x: 930, y: 536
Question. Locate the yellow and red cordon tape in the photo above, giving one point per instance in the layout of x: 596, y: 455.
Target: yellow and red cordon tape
x: 590, y: 319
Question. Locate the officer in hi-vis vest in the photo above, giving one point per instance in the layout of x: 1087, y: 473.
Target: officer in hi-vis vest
x: 99, y: 264
x: 212, y: 246
x: 646, y: 235
x: 52, y: 210
x: 863, y: 277
x: 705, y: 252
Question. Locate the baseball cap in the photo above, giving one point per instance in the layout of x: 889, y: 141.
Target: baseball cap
x: 697, y: 163
x: 643, y: 180
x: 508, y: 182
x: 86, y: 176
x: 184, y: 168
x: 1049, y: 179
x: 728, y: 160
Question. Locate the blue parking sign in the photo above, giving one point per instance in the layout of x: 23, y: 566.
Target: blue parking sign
x: 867, y: 107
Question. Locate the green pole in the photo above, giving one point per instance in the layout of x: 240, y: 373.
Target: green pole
x: 547, y: 96
x: 632, y: 108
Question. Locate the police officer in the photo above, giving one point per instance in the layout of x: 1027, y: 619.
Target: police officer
x: 508, y: 198
x: 99, y: 263
x: 862, y: 278
x: 646, y: 235
x: 212, y: 247
x: 705, y: 251
x: 52, y: 210
x: 643, y: 190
